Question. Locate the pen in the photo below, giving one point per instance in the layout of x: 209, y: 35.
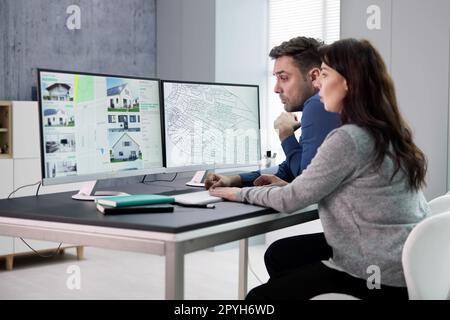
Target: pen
x: 205, y: 206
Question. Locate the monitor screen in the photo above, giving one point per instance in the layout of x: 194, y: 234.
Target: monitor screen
x: 211, y: 125
x: 98, y: 126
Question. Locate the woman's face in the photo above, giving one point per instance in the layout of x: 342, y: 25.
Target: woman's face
x: 333, y: 88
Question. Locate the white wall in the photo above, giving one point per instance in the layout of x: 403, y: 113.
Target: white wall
x: 414, y: 41
x: 220, y: 41
x: 353, y: 24
x: 420, y: 68
x: 241, y: 47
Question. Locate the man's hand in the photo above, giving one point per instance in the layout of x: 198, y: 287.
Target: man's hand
x: 269, y: 180
x: 286, y: 124
x: 217, y: 180
x: 230, y: 194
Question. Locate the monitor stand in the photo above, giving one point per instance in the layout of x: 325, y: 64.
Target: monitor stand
x: 198, y: 180
x: 86, y: 192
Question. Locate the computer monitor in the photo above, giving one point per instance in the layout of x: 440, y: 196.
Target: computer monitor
x: 97, y: 126
x: 210, y: 125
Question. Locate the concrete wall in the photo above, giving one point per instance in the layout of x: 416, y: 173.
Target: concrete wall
x: 414, y: 40
x: 116, y: 37
x: 185, y: 39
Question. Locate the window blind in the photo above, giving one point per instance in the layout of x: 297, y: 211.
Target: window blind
x: 288, y: 19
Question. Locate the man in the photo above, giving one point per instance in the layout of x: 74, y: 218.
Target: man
x: 296, y: 68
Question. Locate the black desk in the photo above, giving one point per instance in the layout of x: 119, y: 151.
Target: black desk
x: 58, y: 218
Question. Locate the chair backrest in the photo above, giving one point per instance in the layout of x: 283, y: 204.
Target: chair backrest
x: 440, y: 204
x: 426, y: 259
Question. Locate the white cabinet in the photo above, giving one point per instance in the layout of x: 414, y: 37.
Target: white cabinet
x: 26, y: 148
x: 6, y: 245
x: 6, y: 177
x: 23, y: 168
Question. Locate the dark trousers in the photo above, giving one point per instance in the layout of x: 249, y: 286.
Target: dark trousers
x: 296, y: 272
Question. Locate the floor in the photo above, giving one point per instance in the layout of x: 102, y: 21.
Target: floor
x: 107, y: 274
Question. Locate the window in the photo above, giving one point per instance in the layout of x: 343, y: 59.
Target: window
x: 126, y: 143
x: 288, y: 19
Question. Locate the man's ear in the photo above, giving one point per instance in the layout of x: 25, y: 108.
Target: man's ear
x: 314, y: 75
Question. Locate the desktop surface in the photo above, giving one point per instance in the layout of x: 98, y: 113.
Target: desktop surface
x: 60, y: 207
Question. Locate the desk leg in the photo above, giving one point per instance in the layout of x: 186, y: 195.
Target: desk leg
x: 174, y: 271
x: 243, y: 273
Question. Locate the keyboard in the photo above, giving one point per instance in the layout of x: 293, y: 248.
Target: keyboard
x: 198, y: 197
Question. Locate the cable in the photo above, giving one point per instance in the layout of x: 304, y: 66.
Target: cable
x: 252, y: 271
x: 145, y: 182
x: 41, y: 255
x: 28, y: 185
x: 37, y: 192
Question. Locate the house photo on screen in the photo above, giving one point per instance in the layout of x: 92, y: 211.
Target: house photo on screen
x: 97, y: 126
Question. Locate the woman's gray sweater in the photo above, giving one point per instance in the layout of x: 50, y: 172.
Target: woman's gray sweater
x: 366, y: 217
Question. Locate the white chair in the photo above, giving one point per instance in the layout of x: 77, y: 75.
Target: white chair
x: 440, y: 204
x: 426, y: 259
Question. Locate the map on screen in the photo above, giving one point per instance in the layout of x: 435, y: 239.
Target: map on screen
x: 209, y: 123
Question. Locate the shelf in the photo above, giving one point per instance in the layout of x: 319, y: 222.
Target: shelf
x: 5, y: 130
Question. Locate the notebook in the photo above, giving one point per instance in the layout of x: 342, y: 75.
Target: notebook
x: 106, y: 210
x: 134, y: 200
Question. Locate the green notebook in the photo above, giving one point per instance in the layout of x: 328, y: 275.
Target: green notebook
x: 134, y: 200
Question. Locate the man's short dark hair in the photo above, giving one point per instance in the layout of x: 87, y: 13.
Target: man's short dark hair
x: 304, y: 51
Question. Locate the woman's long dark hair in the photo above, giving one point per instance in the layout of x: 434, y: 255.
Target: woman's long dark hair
x: 371, y: 103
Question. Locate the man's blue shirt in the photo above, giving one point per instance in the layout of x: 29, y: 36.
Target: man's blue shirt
x: 316, y: 123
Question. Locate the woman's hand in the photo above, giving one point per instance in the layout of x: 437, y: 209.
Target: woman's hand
x: 225, y: 193
x: 269, y: 180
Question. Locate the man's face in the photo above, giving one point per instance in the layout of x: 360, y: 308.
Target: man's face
x: 292, y: 87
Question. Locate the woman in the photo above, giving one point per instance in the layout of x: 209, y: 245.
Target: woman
x: 366, y: 178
